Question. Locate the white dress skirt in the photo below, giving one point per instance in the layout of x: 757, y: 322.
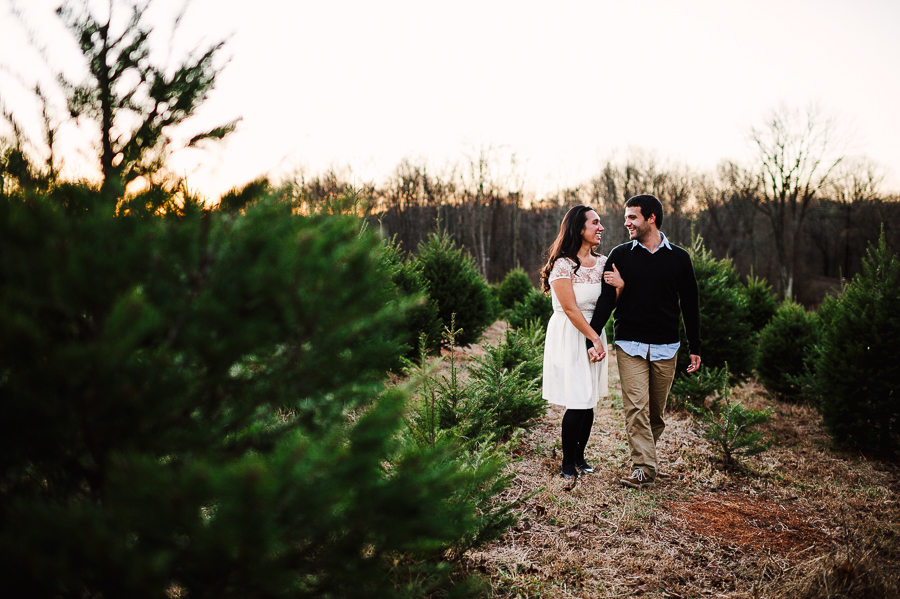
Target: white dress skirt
x: 570, y: 378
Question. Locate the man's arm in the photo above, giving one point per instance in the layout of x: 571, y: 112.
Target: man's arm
x: 689, y: 299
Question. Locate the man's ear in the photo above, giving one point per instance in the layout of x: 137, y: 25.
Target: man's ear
x: 652, y: 218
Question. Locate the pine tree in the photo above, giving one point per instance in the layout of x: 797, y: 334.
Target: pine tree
x: 857, y: 371
x: 695, y: 390
x: 133, y: 103
x: 422, y: 325
x: 761, y: 304
x: 456, y: 285
x: 506, y: 399
x: 536, y: 308
x: 514, y: 288
x: 193, y: 403
x: 784, y: 347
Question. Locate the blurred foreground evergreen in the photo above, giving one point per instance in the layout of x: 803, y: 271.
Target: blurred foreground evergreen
x: 192, y: 403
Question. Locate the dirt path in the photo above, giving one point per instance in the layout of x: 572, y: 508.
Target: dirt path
x: 806, y: 521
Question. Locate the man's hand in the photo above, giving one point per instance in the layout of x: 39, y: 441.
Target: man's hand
x: 695, y: 363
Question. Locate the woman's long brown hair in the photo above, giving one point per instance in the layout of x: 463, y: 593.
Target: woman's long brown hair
x: 567, y: 242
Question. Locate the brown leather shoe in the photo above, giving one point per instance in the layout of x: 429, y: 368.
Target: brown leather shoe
x: 637, y: 480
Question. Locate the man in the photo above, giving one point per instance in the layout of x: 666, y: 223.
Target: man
x: 660, y: 289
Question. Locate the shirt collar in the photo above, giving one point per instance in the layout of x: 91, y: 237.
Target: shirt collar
x: 665, y: 243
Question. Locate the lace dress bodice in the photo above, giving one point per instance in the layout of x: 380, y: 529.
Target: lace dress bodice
x: 564, y: 268
x: 586, y: 282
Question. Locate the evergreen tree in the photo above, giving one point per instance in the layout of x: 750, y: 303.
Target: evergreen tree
x: 507, y: 394
x: 857, y: 371
x: 456, y: 285
x: 761, y: 304
x: 499, y: 396
x: 785, y: 345
x: 193, y: 404
x: 239, y: 198
x: 20, y: 157
x: 731, y: 429
x: 132, y: 103
x: 524, y: 345
x: 514, y: 288
x: 536, y: 308
x: 422, y: 325
x: 695, y: 390
x: 724, y: 316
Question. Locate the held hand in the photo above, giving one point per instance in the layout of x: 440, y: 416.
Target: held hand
x: 695, y: 363
x: 613, y: 278
x: 598, y: 352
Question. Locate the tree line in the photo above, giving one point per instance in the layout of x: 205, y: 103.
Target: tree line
x: 804, y: 250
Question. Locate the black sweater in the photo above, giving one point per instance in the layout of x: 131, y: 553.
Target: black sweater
x: 658, y: 288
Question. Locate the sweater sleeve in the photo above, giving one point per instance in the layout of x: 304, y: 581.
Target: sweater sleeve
x: 689, y: 298
x: 605, y: 303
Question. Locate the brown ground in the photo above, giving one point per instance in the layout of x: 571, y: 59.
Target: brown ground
x: 802, y: 520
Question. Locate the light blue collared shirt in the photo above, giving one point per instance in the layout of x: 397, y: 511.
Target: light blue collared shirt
x: 655, y: 352
x: 664, y: 244
x: 642, y: 350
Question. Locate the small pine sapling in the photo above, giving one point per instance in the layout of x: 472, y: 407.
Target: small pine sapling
x: 525, y: 346
x: 695, y: 390
x: 730, y: 427
x: 505, y: 400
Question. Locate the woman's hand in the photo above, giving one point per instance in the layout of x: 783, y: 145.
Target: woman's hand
x: 565, y: 293
x: 598, y: 352
x: 613, y: 278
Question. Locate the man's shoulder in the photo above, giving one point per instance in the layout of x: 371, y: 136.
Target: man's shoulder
x: 620, y: 249
x: 679, y: 252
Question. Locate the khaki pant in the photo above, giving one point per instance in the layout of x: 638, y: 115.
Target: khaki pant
x: 645, y: 388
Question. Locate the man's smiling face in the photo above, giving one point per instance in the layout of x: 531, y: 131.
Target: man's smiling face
x: 638, y: 226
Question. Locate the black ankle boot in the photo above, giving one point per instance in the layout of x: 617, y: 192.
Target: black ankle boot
x: 570, y: 471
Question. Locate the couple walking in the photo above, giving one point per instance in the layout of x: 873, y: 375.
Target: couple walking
x: 651, y: 284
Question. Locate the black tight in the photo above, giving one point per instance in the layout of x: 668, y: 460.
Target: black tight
x: 576, y: 429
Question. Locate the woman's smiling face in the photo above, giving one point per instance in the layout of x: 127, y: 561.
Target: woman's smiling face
x: 591, y: 233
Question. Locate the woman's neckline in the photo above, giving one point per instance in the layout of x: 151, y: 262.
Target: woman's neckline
x: 596, y: 262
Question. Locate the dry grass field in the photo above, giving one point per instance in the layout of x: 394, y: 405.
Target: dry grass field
x: 803, y: 519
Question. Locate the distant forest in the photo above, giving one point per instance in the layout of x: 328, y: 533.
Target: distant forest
x: 502, y: 229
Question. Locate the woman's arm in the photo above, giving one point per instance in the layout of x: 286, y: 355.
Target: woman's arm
x: 566, y: 296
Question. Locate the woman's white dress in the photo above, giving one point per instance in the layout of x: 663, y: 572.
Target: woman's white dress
x: 570, y: 378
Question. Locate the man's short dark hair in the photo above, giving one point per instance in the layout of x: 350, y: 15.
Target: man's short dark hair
x: 648, y: 205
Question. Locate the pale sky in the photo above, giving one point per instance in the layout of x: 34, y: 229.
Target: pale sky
x: 562, y: 86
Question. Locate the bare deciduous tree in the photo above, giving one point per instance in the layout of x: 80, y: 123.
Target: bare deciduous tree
x: 856, y: 180
x: 797, y: 152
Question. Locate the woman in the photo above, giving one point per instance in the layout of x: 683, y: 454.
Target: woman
x: 573, y: 275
